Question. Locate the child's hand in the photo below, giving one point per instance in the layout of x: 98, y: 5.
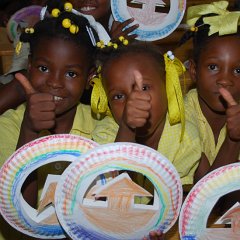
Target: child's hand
x: 233, y: 115
x: 40, y: 111
x: 119, y: 29
x: 155, y: 235
x: 137, y: 108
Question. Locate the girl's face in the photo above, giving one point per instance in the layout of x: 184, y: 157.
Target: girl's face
x: 97, y: 8
x: 60, y: 68
x: 118, y: 81
x: 218, y: 66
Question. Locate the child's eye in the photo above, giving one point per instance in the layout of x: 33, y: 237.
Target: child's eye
x: 212, y: 67
x: 237, y: 71
x: 145, y: 88
x: 118, y: 97
x: 71, y: 74
x: 43, y: 69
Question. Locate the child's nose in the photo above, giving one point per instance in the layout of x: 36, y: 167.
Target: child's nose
x: 225, y: 80
x: 55, y: 81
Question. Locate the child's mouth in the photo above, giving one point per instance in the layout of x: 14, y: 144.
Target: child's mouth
x: 87, y: 9
x: 57, y: 99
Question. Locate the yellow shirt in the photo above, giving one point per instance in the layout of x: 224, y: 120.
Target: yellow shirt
x: 194, y: 113
x: 10, y: 123
x: 184, y: 155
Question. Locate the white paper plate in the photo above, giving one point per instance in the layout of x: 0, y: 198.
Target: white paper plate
x: 201, y: 200
x: 80, y: 174
x: 152, y: 25
x: 29, y: 15
x: 14, y: 209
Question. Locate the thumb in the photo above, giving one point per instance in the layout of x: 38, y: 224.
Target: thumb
x: 227, y: 97
x: 138, y: 81
x: 28, y: 88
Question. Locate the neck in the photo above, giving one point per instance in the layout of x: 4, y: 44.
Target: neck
x: 104, y: 21
x: 64, y: 122
x: 152, y: 139
x: 215, y: 119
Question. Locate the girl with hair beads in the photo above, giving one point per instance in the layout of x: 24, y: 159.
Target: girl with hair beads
x: 143, y: 91
x: 61, y: 55
x: 215, y: 67
x: 145, y: 104
x: 12, y: 93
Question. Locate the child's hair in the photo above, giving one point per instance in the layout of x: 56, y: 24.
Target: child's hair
x: 199, y: 32
x: 108, y: 54
x: 52, y: 27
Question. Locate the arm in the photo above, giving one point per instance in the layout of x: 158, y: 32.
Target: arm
x: 12, y: 95
x: 229, y: 151
x: 39, y: 115
x: 136, y: 112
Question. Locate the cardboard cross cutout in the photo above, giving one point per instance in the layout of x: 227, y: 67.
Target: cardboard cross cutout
x: 200, y: 202
x: 156, y: 18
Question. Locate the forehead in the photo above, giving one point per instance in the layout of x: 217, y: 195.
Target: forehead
x: 222, y: 45
x: 140, y: 60
x: 63, y: 49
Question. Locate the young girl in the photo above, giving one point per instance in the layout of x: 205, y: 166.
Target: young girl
x: 215, y: 68
x: 134, y: 82
x: 13, y: 94
x: 60, y: 58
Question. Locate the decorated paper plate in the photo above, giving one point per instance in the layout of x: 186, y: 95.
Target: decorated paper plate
x: 156, y: 18
x: 28, y: 15
x: 201, y: 200
x: 93, y: 203
x: 41, y: 223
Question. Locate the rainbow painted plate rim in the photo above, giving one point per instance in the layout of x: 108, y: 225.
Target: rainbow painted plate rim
x: 117, y: 156
x: 147, y: 32
x: 203, y: 197
x: 59, y: 147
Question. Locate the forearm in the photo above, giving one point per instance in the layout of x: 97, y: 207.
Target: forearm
x: 125, y: 134
x: 228, y: 153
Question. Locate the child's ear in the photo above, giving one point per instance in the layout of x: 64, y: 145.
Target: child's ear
x: 92, y: 73
x: 192, y: 70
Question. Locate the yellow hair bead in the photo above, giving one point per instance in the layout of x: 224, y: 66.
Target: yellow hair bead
x: 68, y: 7
x: 55, y: 12
x: 125, y: 42
x: 115, y: 46
x: 66, y: 23
x: 29, y: 30
x: 121, y: 38
x: 194, y: 29
x: 74, y: 29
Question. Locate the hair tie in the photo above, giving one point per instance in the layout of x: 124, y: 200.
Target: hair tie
x: 99, y: 101
x: 174, y: 68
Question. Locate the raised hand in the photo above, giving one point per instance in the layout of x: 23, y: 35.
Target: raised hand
x: 155, y: 235
x: 233, y: 115
x: 40, y: 112
x: 120, y: 29
x: 137, y: 108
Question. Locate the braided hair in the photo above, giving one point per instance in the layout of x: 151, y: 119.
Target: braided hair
x: 51, y: 27
x: 200, y: 37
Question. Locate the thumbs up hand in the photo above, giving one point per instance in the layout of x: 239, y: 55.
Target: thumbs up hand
x: 40, y: 111
x: 233, y: 115
x: 138, y: 105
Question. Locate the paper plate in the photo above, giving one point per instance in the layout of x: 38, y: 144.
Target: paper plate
x: 14, y: 209
x: 121, y: 218
x: 203, y: 197
x: 156, y: 19
x: 29, y: 15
